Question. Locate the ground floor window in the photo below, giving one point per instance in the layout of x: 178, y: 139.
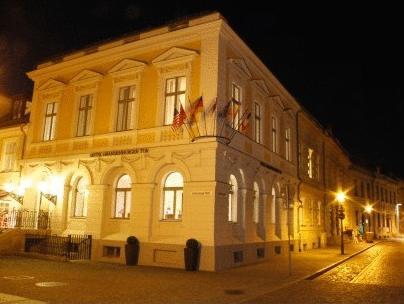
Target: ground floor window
x: 172, y: 196
x: 123, y: 197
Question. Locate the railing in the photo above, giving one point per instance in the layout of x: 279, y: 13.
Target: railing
x: 27, y: 219
x: 72, y: 247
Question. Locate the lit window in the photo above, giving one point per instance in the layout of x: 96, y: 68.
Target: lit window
x: 126, y: 100
x: 256, y: 206
x: 274, y: 132
x: 174, y: 96
x: 235, y: 106
x: 232, y: 200
x: 257, y: 122
x: 273, y: 206
x: 50, y: 121
x: 288, y: 150
x: 83, y: 122
x: 123, y: 197
x: 310, y: 164
x: 172, y: 196
x: 80, y: 198
x: 9, y: 156
x: 319, y: 213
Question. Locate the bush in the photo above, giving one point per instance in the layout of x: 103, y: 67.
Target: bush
x: 192, y: 243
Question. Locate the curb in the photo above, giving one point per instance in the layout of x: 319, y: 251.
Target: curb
x: 329, y: 267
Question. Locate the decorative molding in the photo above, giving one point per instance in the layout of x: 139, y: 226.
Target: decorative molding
x: 175, y: 56
x: 127, y: 66
x: 86, y: 76
x: 51, y: 84
x: 241, y: 66
x: 262, y: 87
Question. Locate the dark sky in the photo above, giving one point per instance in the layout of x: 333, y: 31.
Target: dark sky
x: 343, y: 63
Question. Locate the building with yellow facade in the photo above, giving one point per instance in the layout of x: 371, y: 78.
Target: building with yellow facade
x: 100, y: 156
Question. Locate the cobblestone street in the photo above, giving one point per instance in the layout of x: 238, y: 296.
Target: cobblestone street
x: 374, y: 276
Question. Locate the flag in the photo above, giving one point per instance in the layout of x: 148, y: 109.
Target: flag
x: 196, y: 107
x: 245, y: 121
x: 212, y: 108
x: 179, y: 118
x: 225, y: 110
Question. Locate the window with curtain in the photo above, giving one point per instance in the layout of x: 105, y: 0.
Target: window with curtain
x: 173, y: 196
x: 83, y: 122
x: 50, y: 121
x: 235, y: 106
x: 174, y: 97
x: 123, y: 197
x: 126, y: 101
x: 256, y: 202
x: 80, y: 198
x: 232, y: 199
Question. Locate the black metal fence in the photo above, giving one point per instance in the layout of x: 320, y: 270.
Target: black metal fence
x: 22, y: 218
x: 72, y: 247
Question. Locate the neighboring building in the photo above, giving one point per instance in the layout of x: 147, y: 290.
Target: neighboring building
x: 100, y: 154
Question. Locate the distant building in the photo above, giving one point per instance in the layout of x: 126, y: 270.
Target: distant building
x: 247, y: 170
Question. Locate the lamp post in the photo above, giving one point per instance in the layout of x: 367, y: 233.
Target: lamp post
x: 368, y: 210
x: 340, y: 197
x: 398, y: 217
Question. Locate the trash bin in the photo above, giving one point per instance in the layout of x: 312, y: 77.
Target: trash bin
x: 369, y: 237
x: 192, y: 255
x: 132, y: 251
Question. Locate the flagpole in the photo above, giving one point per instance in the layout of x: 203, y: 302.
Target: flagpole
x: 197, y: 128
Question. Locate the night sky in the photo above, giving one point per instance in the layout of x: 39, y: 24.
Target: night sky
x: 343, y: 63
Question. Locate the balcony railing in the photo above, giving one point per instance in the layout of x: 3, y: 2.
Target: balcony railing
x: 23, y: 218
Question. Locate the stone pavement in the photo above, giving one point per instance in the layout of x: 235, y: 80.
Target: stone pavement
x: 91, y: 282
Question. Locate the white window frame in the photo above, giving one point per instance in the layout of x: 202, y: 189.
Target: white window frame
x: 121, y: 126
x: 236, y: 103
x: 256, y: 203
x: 9, y: 159
x: 288, y: 144
x: 51, y: 130
x: 273, y: 206
x: 76, y: 192
x: 88, y: 113
x: 127, y: 201
x: 176, y: 95
x: 176, y: 216
x: 257, y: 122
x: 310, y: 163
x: 232, y: 200
x: 274, y: 133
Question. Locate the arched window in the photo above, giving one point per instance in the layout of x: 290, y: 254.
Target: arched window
x: 232, y: 203
x: 256, y: 202
x: 273, y: 206
x: 123, y: 197
x: 172, y: 196
x: 80, y: 198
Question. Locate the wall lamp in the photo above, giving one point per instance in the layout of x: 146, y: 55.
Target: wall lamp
x: 47, y: 192
x: 16, y: 192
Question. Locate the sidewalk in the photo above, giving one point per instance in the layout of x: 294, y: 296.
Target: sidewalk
x: 92, y: 282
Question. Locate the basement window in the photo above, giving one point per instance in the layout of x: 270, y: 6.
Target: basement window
x: 111, y: 252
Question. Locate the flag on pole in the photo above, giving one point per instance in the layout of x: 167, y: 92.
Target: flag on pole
x: 225, y: 110
x: 179, y: 118
x: 212, y: 107
x: 245, y: 122
x: 196, y: 107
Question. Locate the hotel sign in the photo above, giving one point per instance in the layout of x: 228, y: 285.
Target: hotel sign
x: 119, y: 152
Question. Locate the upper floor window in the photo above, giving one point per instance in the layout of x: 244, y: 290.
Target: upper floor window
x: 257, y: 122
x: 377, y: 192
x: 9, y: 156
x: 256, y: 197
x: 288, y: 147
x: 174, y: 96
x: 83, y: 122
x: 310, y: 163
x: 232, y: 200
x: 126, y: 102
x: 123, y: 197
x: 172, y: 196
x: 80, y: 198
x: 50, y: 121
x: 235, y: 105
x: 274, y: 133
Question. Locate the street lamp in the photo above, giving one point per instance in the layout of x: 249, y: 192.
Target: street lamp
x: 340, y: 197
x: 368, y: 210
x: 398, y: 217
